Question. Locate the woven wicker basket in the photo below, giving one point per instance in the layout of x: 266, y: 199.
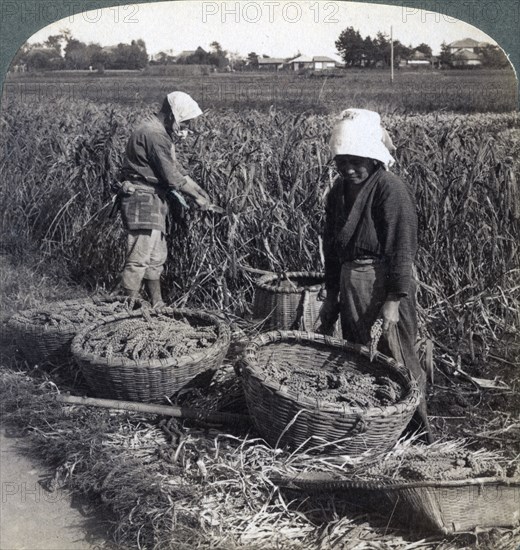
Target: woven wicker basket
x: 40, y: 343
x: 442, y: 506
x: 290, y: 302
x: 154, y: 379
x: 285, y: 418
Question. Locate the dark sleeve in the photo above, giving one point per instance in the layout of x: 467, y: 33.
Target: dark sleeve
x: 164, y: 165
x: 396, y: 224
x: 332, y: 262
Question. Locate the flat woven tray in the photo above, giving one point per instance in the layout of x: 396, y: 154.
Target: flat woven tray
x: 39, y: 343
x: 286, y: 418
x: 439, y: 506
x: 154, y: 379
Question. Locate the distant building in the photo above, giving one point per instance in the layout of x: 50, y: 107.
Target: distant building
x: 316, y: 63
x: 465, y: 58
x: 300, y: 63
x: 418, y: 59
x: 468, y: 45
x: 270, y: 63
x: 466, y: 53
x: 322, y: 62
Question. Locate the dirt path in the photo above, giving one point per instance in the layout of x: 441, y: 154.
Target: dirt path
x: 32, y: 518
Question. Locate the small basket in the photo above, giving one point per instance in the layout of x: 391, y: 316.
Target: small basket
x: 39, y: 343
x: 150, y: 380
x: 290, y: 301
x: 286, y: 418
x: 448, y: 507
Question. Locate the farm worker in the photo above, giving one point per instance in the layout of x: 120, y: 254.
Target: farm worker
x: 151, y: 172
x: 370, y: 242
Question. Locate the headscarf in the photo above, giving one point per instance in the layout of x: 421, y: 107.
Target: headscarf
x: 183, y: 106
x: 359, y: 133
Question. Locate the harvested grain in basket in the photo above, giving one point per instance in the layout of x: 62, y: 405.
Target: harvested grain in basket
x: 140, y: 338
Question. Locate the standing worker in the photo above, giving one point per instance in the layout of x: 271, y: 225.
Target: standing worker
x: 151, y: 173
x: 370, y: 242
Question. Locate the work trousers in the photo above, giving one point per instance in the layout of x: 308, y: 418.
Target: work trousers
x: 362, y: 295
x: 146, y: 255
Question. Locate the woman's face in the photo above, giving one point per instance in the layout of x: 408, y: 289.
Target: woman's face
x: 354, y: 169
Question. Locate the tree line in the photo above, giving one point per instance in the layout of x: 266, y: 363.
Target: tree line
x: 63, y: 51
x: 368, y: 52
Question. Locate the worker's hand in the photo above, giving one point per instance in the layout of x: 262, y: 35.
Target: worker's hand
x: 390, y: 313
x: 127, y: 188
x: 329, y: 313
x: 209, y: 207
x: 192, y: 188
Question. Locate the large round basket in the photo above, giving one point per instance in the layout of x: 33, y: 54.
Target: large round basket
x: 286, y: 418
x: 51, y: 342
x: 151, y: 380
x: 290, y: 301
x: 448, y: 507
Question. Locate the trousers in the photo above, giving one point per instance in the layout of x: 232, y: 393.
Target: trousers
x: 362, y: 295
x: 146, y: 255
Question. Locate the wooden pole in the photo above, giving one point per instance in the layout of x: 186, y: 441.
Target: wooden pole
x: 391, y: 54
x: 165, y: 410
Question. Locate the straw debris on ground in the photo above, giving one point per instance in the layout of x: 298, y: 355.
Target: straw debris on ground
x: 174, y: 486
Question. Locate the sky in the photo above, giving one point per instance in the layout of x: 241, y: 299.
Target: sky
x: 274, y: 28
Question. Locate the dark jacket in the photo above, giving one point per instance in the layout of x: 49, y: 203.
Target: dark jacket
x: 382, y: 224
x: 151, y: 163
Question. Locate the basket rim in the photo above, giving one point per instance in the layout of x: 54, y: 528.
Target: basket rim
x: 20, y: 319
x: 223, y: 338
x: 389, y: 485
x: 249, y: 363
x: 263, y: 282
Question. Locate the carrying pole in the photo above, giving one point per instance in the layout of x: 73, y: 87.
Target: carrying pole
x: 151, y: 408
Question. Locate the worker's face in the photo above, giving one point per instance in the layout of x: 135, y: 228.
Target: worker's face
x: 355, y: 169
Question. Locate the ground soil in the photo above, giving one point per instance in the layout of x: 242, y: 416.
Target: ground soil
x: 34, y: 518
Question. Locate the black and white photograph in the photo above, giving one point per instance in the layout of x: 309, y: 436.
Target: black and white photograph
x: 260, y: 275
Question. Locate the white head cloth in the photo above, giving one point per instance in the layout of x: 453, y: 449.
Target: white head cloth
x: 359, y: 133
x: 183, y: 106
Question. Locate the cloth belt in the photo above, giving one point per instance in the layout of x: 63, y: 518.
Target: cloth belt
x: 365, y: 261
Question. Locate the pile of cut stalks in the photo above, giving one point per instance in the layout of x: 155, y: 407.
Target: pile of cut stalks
x: 172, y: 484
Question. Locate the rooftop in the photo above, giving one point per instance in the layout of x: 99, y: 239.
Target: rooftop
x: 465, y: 43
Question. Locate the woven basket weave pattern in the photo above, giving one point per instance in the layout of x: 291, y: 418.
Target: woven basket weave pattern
x: 440, y: 506
x: 289, y: 302
x: 284, y: 417
x: 40, y: 343
x: 150, y: 380
x: 452, y: 509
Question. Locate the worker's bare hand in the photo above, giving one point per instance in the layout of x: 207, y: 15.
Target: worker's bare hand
x: 390, y: 313
x: 208, y: 206
x: 193, y: 188
x: 127, y: 188
x: 202, y: 202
